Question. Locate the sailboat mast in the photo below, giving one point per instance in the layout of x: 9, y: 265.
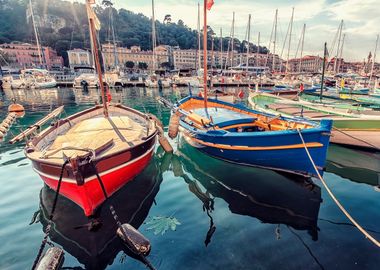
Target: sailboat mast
x: 35, y: 33
x: 199, y: 38
x: 153, y: 38
x: 341, y: 53
x: 96, y: 56
x: 323, y: 70
x: 233, y: 39
x: 249, y: 36
x: 258, y: 50
x: 274, y: 42
x: 302, y: 44
x: 338, y: 48
x: 205, y: 52
x: 221, y: 49
x: 374, y: 59
x: 116, y: 63
x: 290, y: 40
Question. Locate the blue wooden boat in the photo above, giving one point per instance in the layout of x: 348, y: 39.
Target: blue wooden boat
x: 240, y: 135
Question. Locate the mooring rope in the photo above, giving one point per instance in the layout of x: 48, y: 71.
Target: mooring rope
x: 357, y: 225
x: 118, y: 223
x: 48, y: 227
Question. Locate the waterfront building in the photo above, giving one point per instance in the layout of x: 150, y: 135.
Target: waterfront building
x: 79, y: 58
x: 135, y: 55
x: 308, y: 63
x: 25, y: 55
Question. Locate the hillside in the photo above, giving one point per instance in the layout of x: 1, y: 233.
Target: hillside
x: 63, y: 25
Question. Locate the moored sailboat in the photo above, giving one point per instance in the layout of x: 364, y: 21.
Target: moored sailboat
x: 94, y: 152
x: 248, y: 137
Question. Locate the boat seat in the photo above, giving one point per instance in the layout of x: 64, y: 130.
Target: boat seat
x: 198, y: 119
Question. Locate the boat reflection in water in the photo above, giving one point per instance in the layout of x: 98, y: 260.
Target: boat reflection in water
x: 96, y: 248
x: 356, y: 165
x: 33, y: 97
x: 266, y: 195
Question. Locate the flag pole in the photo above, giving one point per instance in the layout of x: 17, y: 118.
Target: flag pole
x: 205, y: 53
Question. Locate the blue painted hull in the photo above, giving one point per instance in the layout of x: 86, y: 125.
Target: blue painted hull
x: 278, y: 150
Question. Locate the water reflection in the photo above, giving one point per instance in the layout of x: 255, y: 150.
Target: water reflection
x: 35, y: 97
x: 262, y: 194
x: 356, y: 165
x: 97, y: 249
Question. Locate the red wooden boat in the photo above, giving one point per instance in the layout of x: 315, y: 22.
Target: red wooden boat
x: 117, y: 147
x: 93, y: 153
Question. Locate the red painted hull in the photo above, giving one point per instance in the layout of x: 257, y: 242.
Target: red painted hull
x: 89, y: 195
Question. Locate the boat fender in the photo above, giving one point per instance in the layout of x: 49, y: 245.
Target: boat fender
x: 8, y: 121
x: 5, y: 125
x: 173, y: 126
x: 52, y: 259
x: 137, y: 242
x: 164, y: 141
x: 16, y: 108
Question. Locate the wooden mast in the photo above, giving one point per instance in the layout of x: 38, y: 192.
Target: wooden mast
x: 205, y: 52
x: 199, y: 41
x: 96, y: 57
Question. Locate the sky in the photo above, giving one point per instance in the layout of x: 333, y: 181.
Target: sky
x: 322, y: 19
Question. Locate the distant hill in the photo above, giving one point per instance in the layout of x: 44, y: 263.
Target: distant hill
x: 63, y: 25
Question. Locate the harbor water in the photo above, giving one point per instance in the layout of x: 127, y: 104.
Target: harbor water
x: 197, y: 211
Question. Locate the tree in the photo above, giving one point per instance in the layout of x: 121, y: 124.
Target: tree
x: 143, y: 65
x: 167, y: 19
x: 129, y: 64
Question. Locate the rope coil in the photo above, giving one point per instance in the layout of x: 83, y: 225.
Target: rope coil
x: 356, y: 224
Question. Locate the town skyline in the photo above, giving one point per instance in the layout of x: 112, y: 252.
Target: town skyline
x: 322, y: 19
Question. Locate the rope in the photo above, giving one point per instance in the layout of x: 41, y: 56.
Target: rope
x: 118, y: 223
x: 48, y: 227
x: 357, y: 225
x: 355, y: 138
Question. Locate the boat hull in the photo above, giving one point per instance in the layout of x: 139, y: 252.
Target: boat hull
x: 89, y: 196
x: 116, y: 163
x: 276, y: 150
x: 290, y: 158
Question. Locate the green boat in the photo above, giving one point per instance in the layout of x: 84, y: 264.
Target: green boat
x: 343, y: 101
x: 351, y: 128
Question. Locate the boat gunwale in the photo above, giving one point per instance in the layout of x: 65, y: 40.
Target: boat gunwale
x: 315, y: 126
x: 33, y: 142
